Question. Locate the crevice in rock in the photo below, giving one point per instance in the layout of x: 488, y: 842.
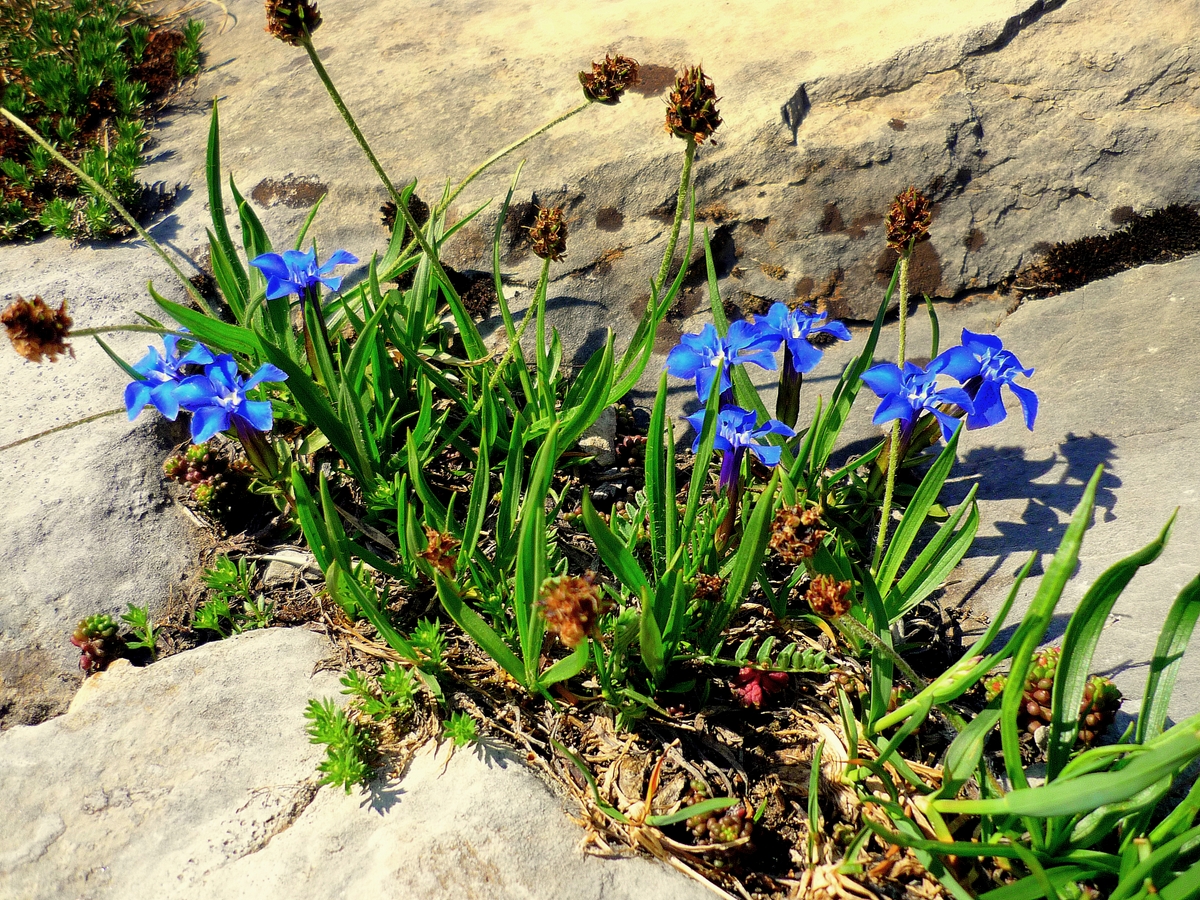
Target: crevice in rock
x: 262, y: 832
x: 1016, y: 25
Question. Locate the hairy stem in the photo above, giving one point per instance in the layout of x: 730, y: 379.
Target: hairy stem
x: 893, y: 463
x: 58, y: 428
x: 500, y: 154
x: 685, y: 179
x: 116, y: 205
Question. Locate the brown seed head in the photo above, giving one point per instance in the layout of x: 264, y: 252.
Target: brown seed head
x: 827, y: 596
x: 292, y: 20
x: 572, y: 605
x: 548, y: 233
x: 36, y: 330
x: 908, y: 220
x: 794, y: 533
x: 708, y: 587
x: 608, y: 80
x: 692, y: 106
x: 442, y: 552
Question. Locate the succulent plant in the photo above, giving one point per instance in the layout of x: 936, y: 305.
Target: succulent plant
x: 1101, y: 698
x: 719, y: 827
x: 96, y: 638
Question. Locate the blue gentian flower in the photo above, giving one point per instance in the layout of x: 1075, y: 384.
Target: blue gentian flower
x: 161, y: 376
x: 793, y: 326
x: 984, y: 366
x: 217, y: 399
x: 697, y: 355
x: 738, y: 431
x: 905, y: 395
x: 297, y: 272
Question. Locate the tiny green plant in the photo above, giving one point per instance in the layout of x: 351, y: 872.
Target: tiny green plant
x: 234, y: 606
x: 347, y: 746
x: 460, y: 728
x: 145, y: 635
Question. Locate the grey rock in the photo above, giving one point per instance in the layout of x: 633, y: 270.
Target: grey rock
x: 600, y: 439
x: 194, y: 777
x: 286, y: 564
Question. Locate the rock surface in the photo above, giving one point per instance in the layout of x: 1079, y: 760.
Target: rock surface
x: 194, y: 778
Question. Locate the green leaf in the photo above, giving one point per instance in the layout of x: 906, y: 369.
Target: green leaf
x: 341, y: 584
x: 934, y: 563
x: 1033, y: 628
x: 310, y: 397
x: 311, y: 523
x: 219, y: 335
x: 745, y: 563
x: 216, y: 209
x: 479, y: 630
x: 532, y: 556
x: 1071, y: 796
x: 613, y: 550
x: 567, y: 667
x: 704, y: 807
x: 1079, y: 644
x: 914, y: 515
x: 650, y: 639
x: 965, y: 752
x: 1173, y: 639
x: 575, y: 421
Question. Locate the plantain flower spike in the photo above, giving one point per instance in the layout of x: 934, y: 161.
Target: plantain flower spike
x: 292, y: 20
x: 692, y: 106
x: 36, y: 330
x: 548, y: 233
x: 908, y: 220
x: 608, y: 80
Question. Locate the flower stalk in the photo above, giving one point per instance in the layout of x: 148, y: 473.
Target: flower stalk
x: 685, y: 180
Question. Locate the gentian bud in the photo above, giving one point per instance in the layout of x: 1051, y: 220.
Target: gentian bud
x: 908, y: 220
x: 692, y: 106
x: 548, y: 233
x: 36, y: 330
x: 292, y: 21
x: 609, y: 80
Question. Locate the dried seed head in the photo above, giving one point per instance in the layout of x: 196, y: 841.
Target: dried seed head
x: 572, y: 605
x: 908, y: 220
x: 708, y: 587
x: 292, y: 20
x: 794, y: 533
x: 36, y: 330
x: 442, y: 552
x: 827, y: 596
x: 608, y: 80
x: 548, y: 233
x: 692, y: 106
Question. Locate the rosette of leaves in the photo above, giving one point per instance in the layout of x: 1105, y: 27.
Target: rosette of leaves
x: 97, y: 640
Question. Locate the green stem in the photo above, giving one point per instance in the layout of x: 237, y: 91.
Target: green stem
x: 889, y: 490
x: 58, y: 428
x: 401, y: 206
x: 685, y: 178
x: 500, y: 154
x: 116, y: 205
x: 543, y: 354
x: 147, y: 329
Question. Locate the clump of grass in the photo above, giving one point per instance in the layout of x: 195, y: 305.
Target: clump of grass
x: 83, y: 72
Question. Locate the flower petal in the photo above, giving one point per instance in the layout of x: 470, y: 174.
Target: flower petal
x: 683, y: 362
x: 767, y: 454
x: 257, y: 413
x: 894, y: 406
x: 805, y: 356
x: 883, y: 379
x: 266, y: 372
x: 165, y: 400
x: 1029, y: 403
x: 271, y: 265
x: 137, y: 395
x: 957, y: 362
x: 207, y: 421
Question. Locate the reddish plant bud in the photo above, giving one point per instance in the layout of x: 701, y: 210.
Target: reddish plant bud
x: 908, y: 220
x: 827, y: 596
x: 548, y: 233
x: 292, y: 20
x: 692, y: 106
x: 572, y: 605
x: 36, y: 330
x: 608, y: 80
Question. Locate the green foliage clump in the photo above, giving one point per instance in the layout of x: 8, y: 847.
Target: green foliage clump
x: 234, y: 607
x: 81, y: 72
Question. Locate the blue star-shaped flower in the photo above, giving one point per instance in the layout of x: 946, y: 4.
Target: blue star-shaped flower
x: 296, y: 272
x: 905, y: 395
x: 161, y: 376
x: 738, y: 431
x: 217, y: 399
x: 697, y: 355
x: 792, y: 328
x: 983, y: 366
